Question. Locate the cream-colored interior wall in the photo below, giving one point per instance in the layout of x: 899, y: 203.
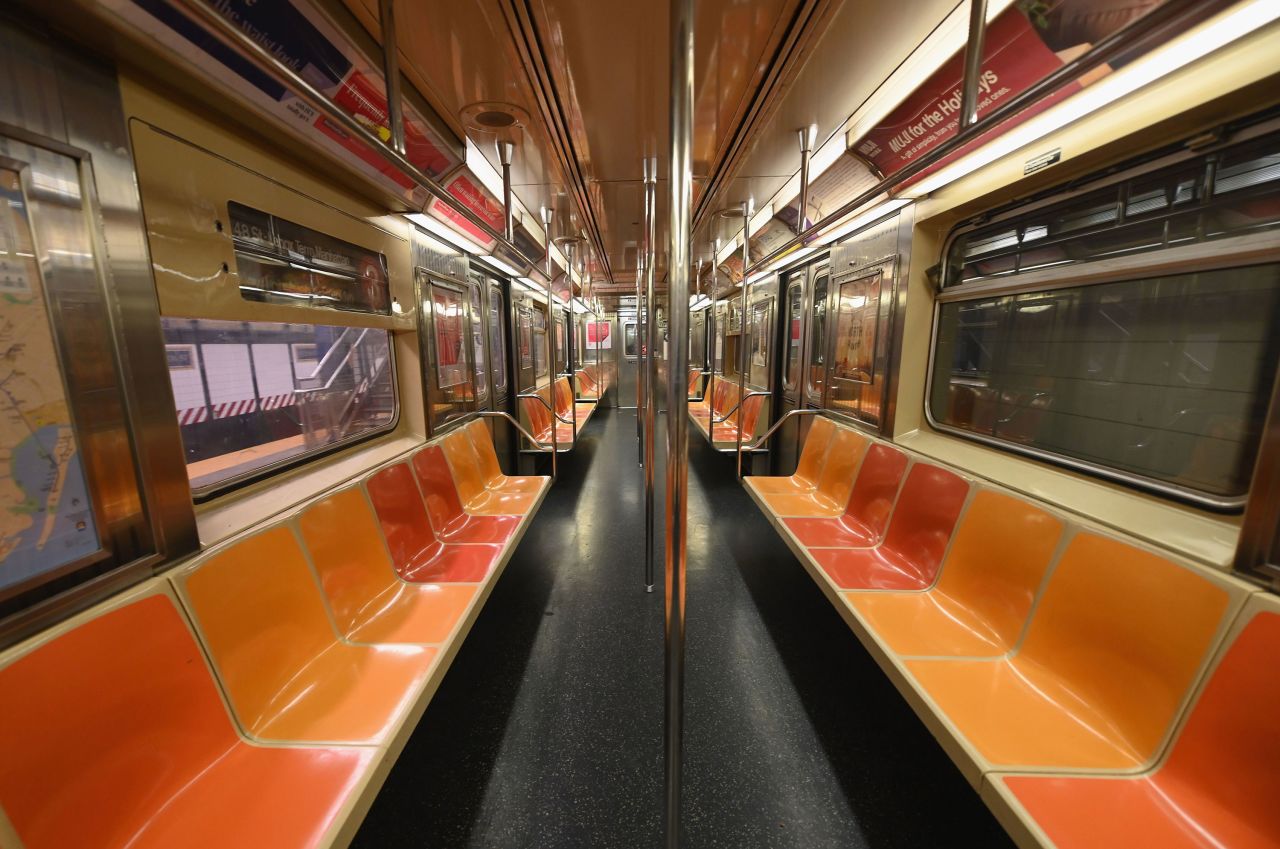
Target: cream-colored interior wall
x: 300, y: 194
x: 1235, y: 81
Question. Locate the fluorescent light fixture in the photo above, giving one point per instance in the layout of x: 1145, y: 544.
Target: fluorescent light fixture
x: 858, y: 222
x: 531, y: 285
x: 482, y: 169
x: 1172, y: 56
x: 789, y: 258
x: 762, y: 217
x: 438, y: 228
x: 728, y: 250
x: 823, y: 158
x: 500, y: 265
x: 579, y: 306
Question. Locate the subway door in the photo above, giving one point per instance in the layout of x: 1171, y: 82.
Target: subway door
x: 498, y: 336
x: 785, y: 444
x: 627, y: 355
x: 761, y: 327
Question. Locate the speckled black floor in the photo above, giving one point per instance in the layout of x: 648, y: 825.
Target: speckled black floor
x: 547, y: 730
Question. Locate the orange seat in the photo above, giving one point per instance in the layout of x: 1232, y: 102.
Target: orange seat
x: 114, y: 736
x: 465, y: 465
x: 984, y: 593
x: 415, y: 551
x: 918, y: 534
x: 834, y: 483
x: 444, y: 508
x: 805, y: 479
x: 568, y: 409
x: 1112, y: 649
x: 368, y: 603
x: 866, y: 515
x: 540, y: 421
x: 286, y: 673
x: 745, y: 417
x: 1219, y: 786
x: 491, y: 471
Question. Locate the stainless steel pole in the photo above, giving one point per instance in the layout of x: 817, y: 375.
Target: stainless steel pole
x: 680, y: 180
x: 973, y: 62
x: 651, y: 368
x: 742, y: 328
x: 547, y: 215
x: 807, y: 137
x: 391, y: 72
x: 639, y: 355
x: 506, y: 150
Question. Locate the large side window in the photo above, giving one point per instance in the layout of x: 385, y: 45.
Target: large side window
x: 254, y: 394
x: 1142, y: 345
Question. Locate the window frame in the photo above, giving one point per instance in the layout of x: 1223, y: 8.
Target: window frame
x: 201, y: 495
x: 1219, y: 254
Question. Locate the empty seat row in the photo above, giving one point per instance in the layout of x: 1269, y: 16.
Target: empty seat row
x: 555, y: 405
x: 256, y: 695
x: 720, y: 416
x: 1064, y: 669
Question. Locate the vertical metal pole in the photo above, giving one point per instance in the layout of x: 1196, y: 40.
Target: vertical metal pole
x: 650, y: 363
x: 507, y: 149
x: 547, y: 215
x: 639, y: 360
x: 679, y: 262
x: 742, y: 327
x: 973, y: 62
x: 391, y: 73
x: 807, y: 137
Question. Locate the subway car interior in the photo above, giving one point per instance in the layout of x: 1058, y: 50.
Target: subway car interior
x: 574, y: 424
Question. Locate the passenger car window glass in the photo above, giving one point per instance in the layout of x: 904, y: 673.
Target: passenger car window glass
x: 857, y: 310
x: 541, y: 353
x: 1163, y: 378
x: 447, y: 332
x: 478, y: 352
x: 497, y: 341
x: 629, y: 346
x: 791, y: 370
x: 758, y: 358
x: 251, y: 395
x: 818, y: 340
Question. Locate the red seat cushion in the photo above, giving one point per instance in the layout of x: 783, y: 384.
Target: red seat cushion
x: 450, y: 522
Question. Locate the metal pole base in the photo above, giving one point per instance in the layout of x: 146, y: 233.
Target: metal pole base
x: 649, y: 588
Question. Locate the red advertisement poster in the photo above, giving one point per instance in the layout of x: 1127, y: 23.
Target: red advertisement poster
x: 473, y: 196
x: 364, y: 99
x: 1015, y: 57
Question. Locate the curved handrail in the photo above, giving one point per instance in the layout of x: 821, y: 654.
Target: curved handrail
x: 768, y: 433
x: 550, y: 408
x: 734, y: 409
x: 516, y: 424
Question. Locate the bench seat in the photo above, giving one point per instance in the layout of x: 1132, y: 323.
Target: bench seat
x: 1217, y: 788
x: 989, y: 580
x: 449, y: 520
x: 369, y: 603
x: 114, y: 735
x: 835, y: 481
x: 287, y: 673
x: 416, y: 549
x: 808, y: 467
x: 870, y: 504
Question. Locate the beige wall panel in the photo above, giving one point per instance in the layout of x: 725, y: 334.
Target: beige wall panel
x: 1232, y: 82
